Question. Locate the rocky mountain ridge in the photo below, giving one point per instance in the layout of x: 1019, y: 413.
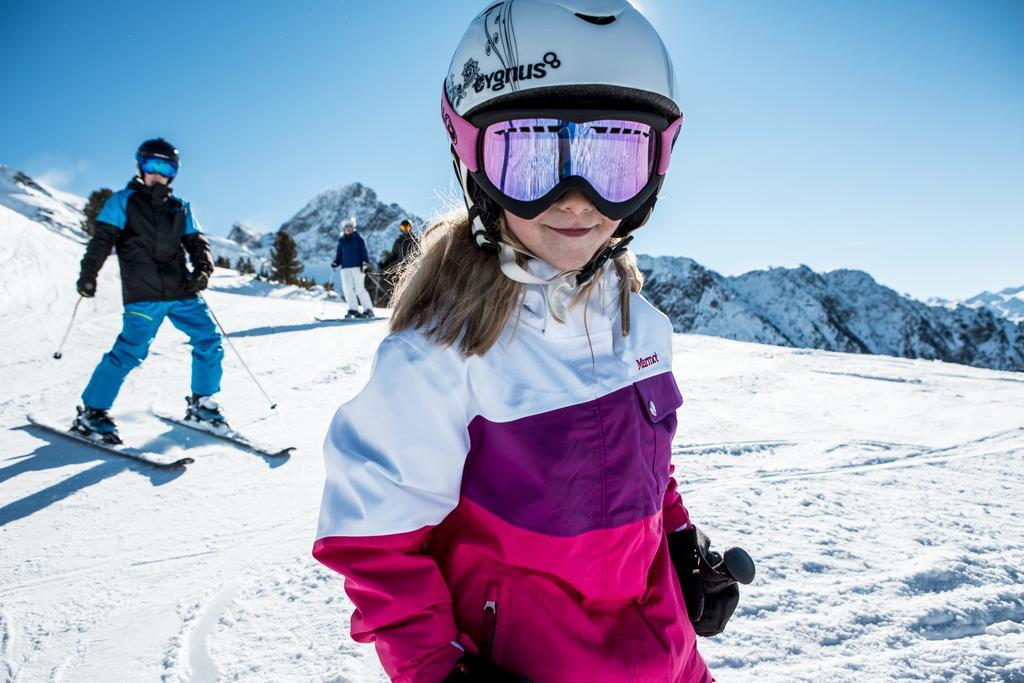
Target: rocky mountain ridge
x: 843, y: 310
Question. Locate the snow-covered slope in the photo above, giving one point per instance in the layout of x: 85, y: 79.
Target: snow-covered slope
x: 880, y: 497
x: 317, y: 226
x: 843, y: 310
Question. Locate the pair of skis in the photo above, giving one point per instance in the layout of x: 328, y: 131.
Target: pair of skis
x: 347, y: 320
x: 226, y: 434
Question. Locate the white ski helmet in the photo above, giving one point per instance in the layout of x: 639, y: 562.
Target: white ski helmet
x: 349, y: 222
x: 601, y: 49
x: 576, y: 55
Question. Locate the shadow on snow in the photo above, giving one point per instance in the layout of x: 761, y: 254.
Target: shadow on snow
x: 60, y: 452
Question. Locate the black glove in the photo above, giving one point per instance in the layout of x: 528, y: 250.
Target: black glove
x: 708, y: 581
x: 334, y: 264
x: 198, y: 282
x: 478, y: 669
x: 86, y: 285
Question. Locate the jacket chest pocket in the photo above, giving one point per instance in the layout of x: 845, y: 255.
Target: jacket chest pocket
x: 659, y: 398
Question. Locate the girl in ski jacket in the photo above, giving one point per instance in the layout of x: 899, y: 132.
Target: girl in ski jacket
x: 525, y: 525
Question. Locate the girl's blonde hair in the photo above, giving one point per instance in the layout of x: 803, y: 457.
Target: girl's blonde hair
x: 453, y: 291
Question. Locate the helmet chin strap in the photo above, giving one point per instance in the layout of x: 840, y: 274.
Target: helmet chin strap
x: 558, y: 290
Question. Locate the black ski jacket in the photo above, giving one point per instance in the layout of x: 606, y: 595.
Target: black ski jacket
x: 152, y: 230
x: 404, y: 245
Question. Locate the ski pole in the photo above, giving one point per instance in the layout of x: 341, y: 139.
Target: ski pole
x: 324, y: 307
x: 376, y: 281
x: 341, y: 287
x: 242, y: 360
x: 384, y: 292
x: 58, y: 353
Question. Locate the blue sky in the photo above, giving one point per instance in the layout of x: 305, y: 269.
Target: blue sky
x: 883, y: 136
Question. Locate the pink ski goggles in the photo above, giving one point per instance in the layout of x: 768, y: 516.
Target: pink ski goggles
x: 527, y: 162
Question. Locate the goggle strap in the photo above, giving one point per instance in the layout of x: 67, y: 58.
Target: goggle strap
x: 479, y: 230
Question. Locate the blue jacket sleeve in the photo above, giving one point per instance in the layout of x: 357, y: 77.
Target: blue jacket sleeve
x: 337, y: 253
x: 192, y: 226
x: 115, y: 210
x: 363, y: 255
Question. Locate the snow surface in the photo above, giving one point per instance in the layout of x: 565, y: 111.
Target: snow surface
x: 880, y: 497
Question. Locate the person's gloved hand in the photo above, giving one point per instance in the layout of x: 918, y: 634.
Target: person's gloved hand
x: 366, y: 267
x: 334, y: 264
x: 708, y: 581
x: 197, y: 282
x: 478, y: 669
x: 86, y: 285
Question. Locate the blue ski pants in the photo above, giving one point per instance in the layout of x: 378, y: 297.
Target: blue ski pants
x: 141, y: 321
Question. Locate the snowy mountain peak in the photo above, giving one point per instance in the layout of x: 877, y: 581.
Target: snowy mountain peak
x: 316, y: 227
x: 1008, y: 302
x: 244, y: 235
x: 327, y: 210
x: 59, y: 211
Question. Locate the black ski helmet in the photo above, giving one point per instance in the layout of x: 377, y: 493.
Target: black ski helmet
x: 157, y: 147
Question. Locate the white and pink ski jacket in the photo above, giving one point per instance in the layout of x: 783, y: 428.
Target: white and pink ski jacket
x: 516, y: 503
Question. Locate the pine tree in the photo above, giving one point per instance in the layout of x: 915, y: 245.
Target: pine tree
x: 222, y: 262
x: 284, y: 259
x: 244, y: 266
x: 93, y: 207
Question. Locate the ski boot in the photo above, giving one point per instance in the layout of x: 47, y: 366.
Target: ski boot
x: 96, y: 424
x: 205, y: 411
x: 352, y: 314
x: 368, y: 314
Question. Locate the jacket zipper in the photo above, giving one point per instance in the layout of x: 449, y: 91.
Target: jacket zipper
x: 490, y: 625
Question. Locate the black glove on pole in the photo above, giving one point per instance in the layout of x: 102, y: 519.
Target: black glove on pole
x: 478, y: 669
x: 86, y: 285
x: 198, y: 282
x: 707, y: 579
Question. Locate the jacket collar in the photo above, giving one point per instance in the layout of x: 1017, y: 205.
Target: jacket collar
x: 550, y: 307
x: 157, y: 194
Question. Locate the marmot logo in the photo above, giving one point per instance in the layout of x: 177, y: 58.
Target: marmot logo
x: 647, y: 362
x: 497, y: 80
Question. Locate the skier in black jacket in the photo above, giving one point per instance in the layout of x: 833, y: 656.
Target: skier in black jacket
x: 390, y: 264
x: 152, y: 231
x: 405, y: 244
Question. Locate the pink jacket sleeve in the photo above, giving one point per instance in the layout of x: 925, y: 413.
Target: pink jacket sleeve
x: 675, y: 514
x: 389, y: 482
x: 402, y: 603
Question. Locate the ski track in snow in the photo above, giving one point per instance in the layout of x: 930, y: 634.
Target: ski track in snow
x: 880, y: 497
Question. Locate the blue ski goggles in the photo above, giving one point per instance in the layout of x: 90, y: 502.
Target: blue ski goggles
x: 158, y: 165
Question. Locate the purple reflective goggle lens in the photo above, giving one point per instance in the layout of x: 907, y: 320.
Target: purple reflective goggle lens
x: 164, y: 167
x: 526, y: 158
